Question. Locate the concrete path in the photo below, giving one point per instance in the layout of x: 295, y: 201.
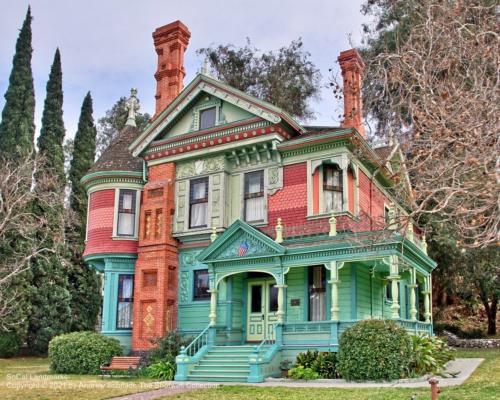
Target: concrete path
x: 466, y: 366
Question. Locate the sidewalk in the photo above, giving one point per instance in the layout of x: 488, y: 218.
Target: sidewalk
x: 466, y: 366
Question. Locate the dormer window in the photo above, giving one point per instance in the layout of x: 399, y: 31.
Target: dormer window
x: 332, y: 188
x: 208, y: 118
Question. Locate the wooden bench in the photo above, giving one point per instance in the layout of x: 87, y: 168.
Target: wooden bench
x: 130, y: 364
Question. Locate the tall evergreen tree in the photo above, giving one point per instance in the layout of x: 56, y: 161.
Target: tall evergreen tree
x: 51, y: 313
x: 17, y: 128
x: 84, y: 282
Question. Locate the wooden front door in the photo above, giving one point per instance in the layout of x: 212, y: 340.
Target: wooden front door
x: 262, y: 305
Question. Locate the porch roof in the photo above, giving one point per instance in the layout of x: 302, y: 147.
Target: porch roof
x: 242, y: 246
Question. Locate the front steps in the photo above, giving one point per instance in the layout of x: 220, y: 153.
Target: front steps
x: 224, y: 364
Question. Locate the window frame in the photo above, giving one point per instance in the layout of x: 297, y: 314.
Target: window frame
x: 331, y: 188
x: 204, y: 297
x: 129, y: 300
x: 203, y: 110
x: 260, y: 194
x: 198, y: 201
x: 310, y: 278
x: 116, y: 212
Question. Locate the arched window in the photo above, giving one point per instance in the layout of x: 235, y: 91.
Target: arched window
x: 332, y: 188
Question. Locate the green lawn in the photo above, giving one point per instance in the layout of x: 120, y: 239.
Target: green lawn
x: 30, y: 378
x: 484, y: 384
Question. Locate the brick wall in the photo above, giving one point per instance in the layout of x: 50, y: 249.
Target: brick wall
x: 155, y: 293
x: 290, y: 204
x: 100, y: 226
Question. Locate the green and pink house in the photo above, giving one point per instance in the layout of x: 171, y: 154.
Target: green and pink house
x: 241, y: 228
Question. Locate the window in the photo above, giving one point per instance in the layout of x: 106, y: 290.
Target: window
x: 207, y: 118
x: 273, y: 298
x: 200, y: 285
x: 317, y: 293
x: 254, y: 197
x: 125, y: 301
x: 387, y: 216
x: 256, y: 301
x: 332, y: 188
x: 388, y: 291
x: 126, y: 212
x: 198, y: 203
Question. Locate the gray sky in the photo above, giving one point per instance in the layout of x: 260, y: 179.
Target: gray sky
x: 107, y: 48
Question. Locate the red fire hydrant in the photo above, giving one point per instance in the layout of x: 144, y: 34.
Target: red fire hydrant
x: 434, y: 388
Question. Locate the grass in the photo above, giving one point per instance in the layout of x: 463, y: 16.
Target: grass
x: 484, y: 384
x: 30, y: 378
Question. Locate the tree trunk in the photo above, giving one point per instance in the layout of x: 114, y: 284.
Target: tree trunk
x: 491, y: 312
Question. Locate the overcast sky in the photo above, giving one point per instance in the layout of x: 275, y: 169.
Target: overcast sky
x: 107, y: 48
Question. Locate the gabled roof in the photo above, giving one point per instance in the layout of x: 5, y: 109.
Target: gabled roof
x: 237, y: 239
x: 203, y: 83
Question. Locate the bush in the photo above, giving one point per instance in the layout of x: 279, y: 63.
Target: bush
x: 164, y: 370
x: 429, y: 355
x: 300, y: 372
x: 463, y: 332
x: 324, y: 364
x: 167, y: 347
x: 82, y: 352
x: 9, y: 344
x: 374, y: 350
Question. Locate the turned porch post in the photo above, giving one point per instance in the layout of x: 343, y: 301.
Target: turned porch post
x: 394, y: 278
x: 413, y: 286
x: 334, y: 281
x: 427, y: 302
x: 281, y: 303
x: 213, y: 307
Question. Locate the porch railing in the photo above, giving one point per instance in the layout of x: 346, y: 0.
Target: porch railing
x: 197, y: 343
x: 269, y: 338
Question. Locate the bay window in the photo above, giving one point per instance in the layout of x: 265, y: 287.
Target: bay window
x: 198, y: 203
x: 332, y: 188
x: 254, y: 197
x: 126, y: 212
x: 125, y: 301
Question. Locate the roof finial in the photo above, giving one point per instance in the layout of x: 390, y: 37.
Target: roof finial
x: 205, y: 70
x: 133, y: 106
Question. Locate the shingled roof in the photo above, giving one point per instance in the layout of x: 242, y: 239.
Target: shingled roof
x: 117, y: 157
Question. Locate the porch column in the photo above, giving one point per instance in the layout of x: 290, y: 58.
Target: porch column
x: 427, y: 302
x: 281, y: 303
x: 413, y: 286
x: 394, y: 278
x: 334, y: 281
x: 213, y: 307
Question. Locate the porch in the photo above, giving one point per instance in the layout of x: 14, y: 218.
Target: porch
x: 275, y: 300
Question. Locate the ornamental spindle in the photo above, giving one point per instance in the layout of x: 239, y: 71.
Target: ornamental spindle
x: 279, y: 232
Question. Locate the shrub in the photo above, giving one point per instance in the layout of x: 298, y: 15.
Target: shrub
x: 429, y: 355
x: 167, y: 347
x: 9, y: 344
x: 82, y: 352
x: 326, y: 365
x: 374, y: 350
x: 300, y: 372
x: 307, y: 359
x: 164, y: 370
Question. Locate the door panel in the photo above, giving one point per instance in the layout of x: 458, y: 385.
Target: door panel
x: 261, y: 310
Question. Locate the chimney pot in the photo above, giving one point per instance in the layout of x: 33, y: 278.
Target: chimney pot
x: 352, y: 67
x: 170, y: 42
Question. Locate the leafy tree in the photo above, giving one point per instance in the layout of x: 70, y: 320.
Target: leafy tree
x: 113, y: 122
x: 17, y: 128
x: 286, y: 78
x: 84, y: 282
x: 50, y: 299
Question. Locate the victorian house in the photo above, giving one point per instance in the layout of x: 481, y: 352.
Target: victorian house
x: 258, y: 237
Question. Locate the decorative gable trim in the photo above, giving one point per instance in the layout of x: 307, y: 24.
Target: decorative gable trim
x: 215, y: 88
x: 240, y: 241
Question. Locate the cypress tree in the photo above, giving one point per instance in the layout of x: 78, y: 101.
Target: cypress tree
x: 51, y: 313
x: 84, y: 282
x: 17, y: 128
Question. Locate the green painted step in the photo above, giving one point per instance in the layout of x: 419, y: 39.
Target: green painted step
x: 218, y: 378
x: 236, y: 372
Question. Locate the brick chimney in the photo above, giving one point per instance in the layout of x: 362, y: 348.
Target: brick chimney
x: 170, y: 41
x: 352, y: 67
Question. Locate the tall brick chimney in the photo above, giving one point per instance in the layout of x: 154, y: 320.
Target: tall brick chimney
x: 352, y: 67
x: 170, y: 41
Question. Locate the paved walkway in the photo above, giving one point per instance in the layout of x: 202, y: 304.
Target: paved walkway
x: 466, y: 366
